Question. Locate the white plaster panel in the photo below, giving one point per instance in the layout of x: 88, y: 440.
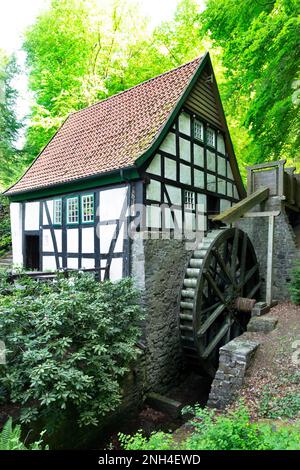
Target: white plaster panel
x: 174, y: 194
x: 229, y: 171
x: 116, y: 269
x: 49, y: 263
x: 229, y: 189
x: 169, y: 144
x: 153, y: 190
x: 235, y: 192
x: 153, y: 216
x: 202, y: 202
x: 72, y: 240
x: 221, y: 166
x: 50, y: 208
x: 185, y: 174
x: 58, y: 237
x: 189, y: 221
x: 87, y: 263
x: 111, y: 203
x: 211, y: 160
x: 32, y: 213
x: 199, y: 178
x: 16, y: 232
x: 198, y: 155
x: 221, y: 186
x: 72, y: 263
x: 224, y: 205
x: 155, y: 166
x: 221, y: 144
x: 211, y: 182
x: 47, y: 241
x: 185, y: 149
x: 170, y: 169
x: 88, y: 240
x: 184, y: 123
x: 106, y: 235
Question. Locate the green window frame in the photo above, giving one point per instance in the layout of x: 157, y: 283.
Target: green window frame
x: 73, y: 210
x: 87, y: 207
x: 210, y: 137
x: 57, y: 211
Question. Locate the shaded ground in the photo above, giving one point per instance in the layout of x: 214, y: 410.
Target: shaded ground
x: 272, y: 383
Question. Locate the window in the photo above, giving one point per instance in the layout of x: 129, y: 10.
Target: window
x: 198, y: 130
x: 87, y: 208
x: 189, y: 200
x: 210, y: 137
x: 57, y: 211
x: 72, y: 210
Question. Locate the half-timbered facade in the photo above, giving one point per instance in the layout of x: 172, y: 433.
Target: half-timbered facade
x: 163, y: 143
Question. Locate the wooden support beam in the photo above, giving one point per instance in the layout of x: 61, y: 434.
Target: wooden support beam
x: 270, y: 253
x: 238, y: 210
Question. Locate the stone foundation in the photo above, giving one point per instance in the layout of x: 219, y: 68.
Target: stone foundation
x: 235, y: 358
x: 158, y: 267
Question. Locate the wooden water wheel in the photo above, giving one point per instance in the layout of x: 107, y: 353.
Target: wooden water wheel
x: 219, y: 290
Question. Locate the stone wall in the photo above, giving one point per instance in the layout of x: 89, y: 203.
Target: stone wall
x: 235, y: 358
x: 158, y: 267
x: 285, y: 249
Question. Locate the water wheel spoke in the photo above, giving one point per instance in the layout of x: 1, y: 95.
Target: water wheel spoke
x: 254, y: 290
x: 234, y: 252
x: 211, y: 307
x: 209, y: 349
x: 203, y: 329
x: 223, y: 266
x: 248, y: 276
x: 214, y: 286
x: 243, y: 258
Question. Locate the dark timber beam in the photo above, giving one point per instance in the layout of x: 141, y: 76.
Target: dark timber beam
x: 240, y: 208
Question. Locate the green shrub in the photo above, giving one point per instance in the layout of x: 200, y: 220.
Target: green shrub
x: 68, y: 343
x: 272, y: 406
x: 5, y: 236
x: 294, y: 286
x: 231, y: 431
x: 10, y: 438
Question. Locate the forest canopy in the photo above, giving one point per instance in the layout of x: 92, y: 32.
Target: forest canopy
x: 79, y: 52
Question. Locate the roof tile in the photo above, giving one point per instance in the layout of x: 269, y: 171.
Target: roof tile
x: 110, y: 134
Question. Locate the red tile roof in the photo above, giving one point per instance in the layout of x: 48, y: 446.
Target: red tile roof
x: 110, y: 134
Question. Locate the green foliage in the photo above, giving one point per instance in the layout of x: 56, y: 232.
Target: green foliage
x: 294, y: 286
x: 231, y: 431
x: 68, y: 345
x: 10, y: 438
x: 273, y: 406
x: 5, y: 235
x: 9, y: 124
x: 260, y: 43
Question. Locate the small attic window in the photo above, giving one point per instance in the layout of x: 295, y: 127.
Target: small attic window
x: 198, y: 130
x: 210, y: 137
x: 189, y: 200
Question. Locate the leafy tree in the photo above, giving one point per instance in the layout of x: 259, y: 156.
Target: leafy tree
x: 9, y: 124
x: 261, y: 50
x: 89, y: 55
x: 68, y: 344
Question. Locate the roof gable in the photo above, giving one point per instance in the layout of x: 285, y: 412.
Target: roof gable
x: 109, y: 135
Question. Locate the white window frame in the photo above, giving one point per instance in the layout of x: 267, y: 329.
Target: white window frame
x: 57, y: 212
x: 90, y: 219
x: 198, y: 125
x: 189, y: 200
x: 72, y: 222
x: 214, y: 137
